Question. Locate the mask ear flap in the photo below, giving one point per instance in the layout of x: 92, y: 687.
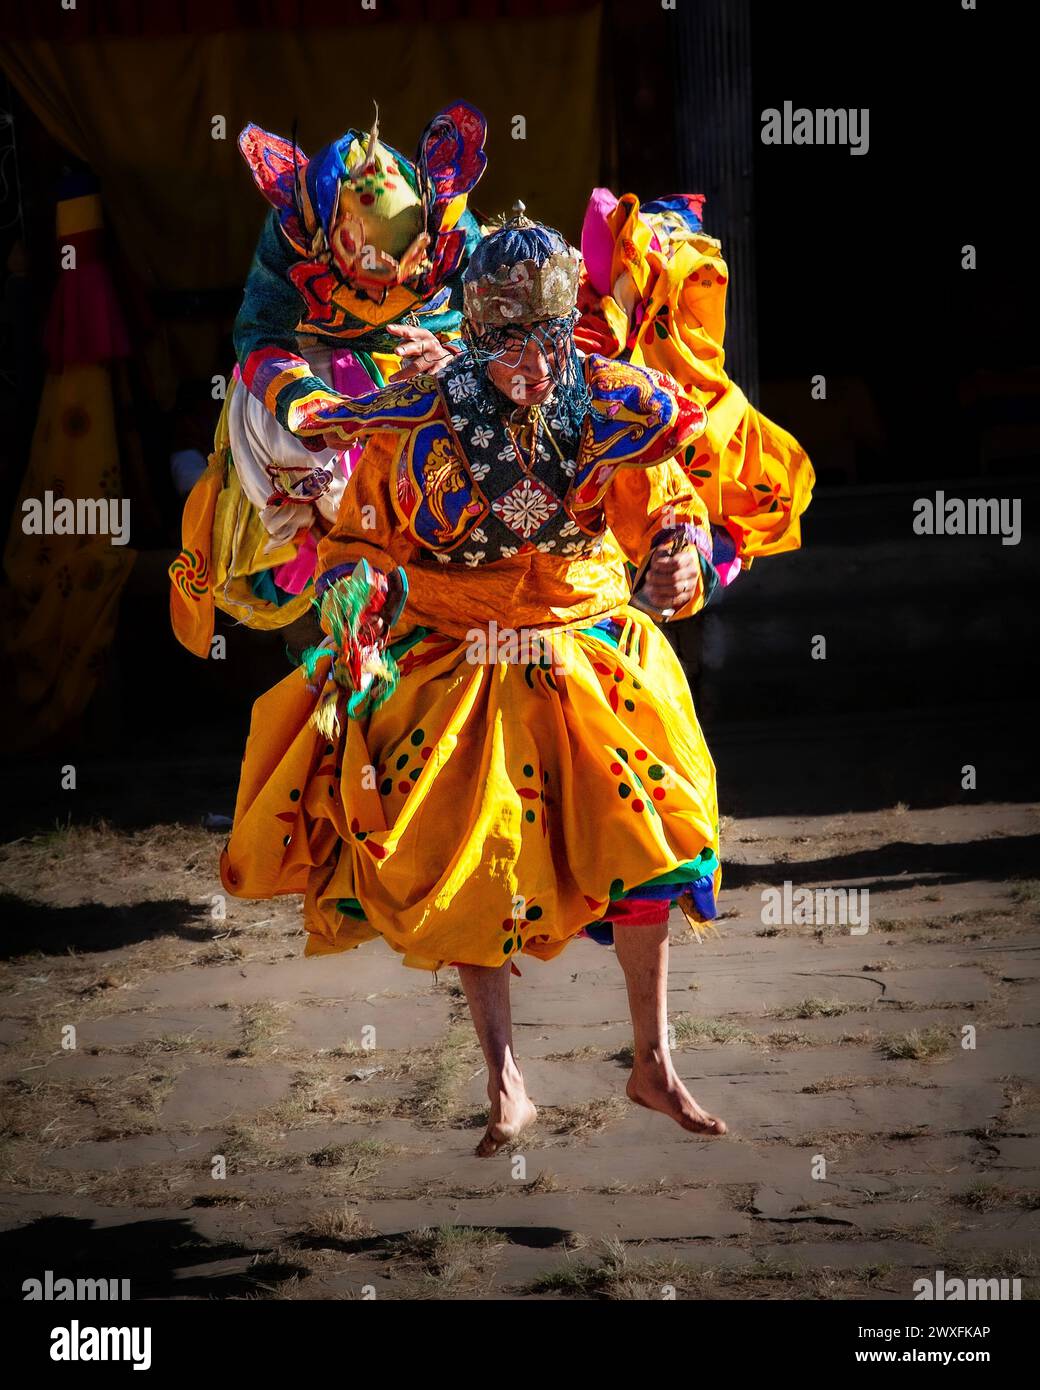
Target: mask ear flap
x: 451, y: 152
x: 279, y: 168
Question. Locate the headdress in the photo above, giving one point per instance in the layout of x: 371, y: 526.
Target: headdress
x: 379, y: 218
x: 522, y: 284
x: 521, y: 274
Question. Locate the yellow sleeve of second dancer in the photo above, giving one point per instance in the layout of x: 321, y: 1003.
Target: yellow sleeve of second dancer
x: 366, y: 527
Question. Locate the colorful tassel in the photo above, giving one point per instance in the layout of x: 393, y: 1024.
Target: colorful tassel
x: 361, y: 667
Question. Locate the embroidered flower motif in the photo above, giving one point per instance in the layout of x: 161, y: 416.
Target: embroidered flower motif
x: 526, y: 507
x: 479, y: 535
x: 480, y: 470
x: 462, y: 387
x: 508, y: 453
x: 459, y: 423
x: 441, y: 558
x: 482, y: 436
x: 546, y: 545
x: 568, y: 529
x: 508, y: 551
x: 568, y: 466
x: 473, y: 558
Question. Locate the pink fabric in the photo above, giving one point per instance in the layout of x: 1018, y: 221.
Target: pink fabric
x: 294, y: 575
x: 349, y: 378
x: 348, y: 375
x: 728, y: 572
x: 597, y: 243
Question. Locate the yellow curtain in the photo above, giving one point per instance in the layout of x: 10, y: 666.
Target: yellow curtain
x: 143, y: 113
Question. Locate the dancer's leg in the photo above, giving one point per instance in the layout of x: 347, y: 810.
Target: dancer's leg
x: 487, y: 992
x: 643, y: 953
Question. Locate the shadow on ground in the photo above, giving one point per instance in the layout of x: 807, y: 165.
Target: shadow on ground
x: 33, y: 928
x: 154, y: 1251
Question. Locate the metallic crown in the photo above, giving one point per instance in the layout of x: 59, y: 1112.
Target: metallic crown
x: 524, y: 292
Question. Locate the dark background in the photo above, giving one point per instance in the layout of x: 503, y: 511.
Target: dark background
x: 849, y: 266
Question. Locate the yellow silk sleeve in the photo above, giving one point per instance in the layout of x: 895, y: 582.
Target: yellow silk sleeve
x: 642, y: 501
x: 366, y: 527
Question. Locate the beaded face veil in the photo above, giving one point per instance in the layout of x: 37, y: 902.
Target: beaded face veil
x: 521, y: 285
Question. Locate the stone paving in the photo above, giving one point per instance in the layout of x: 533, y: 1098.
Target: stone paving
x: 221, y: 1127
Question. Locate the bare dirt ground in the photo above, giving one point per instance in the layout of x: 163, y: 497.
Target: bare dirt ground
x: 870, y: 1143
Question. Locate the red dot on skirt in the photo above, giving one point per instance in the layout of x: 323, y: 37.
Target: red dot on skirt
x: 659, y: 793
x: 425, y: 753
x: 616, y: 769
x: 641, y: 754
x: 637, y: 805
x: 404, y: 788
x: 377, y: 850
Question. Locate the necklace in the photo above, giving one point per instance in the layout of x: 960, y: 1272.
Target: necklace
x: 529, y: 423
x: 532, y: 420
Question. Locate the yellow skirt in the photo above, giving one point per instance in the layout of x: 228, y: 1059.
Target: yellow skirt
x: 485, y: 809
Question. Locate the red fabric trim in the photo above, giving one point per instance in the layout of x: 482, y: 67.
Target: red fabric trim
x: 637, y: 912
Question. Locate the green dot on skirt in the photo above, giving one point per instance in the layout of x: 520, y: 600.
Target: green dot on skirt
x: 418, y: 736
x: 528, y: 770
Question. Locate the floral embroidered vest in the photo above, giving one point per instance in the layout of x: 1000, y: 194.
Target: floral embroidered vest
x: 458, y: 485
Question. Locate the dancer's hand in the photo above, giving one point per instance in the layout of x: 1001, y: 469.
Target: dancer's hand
x: 671, y: 580
x: 394, y: 589
x: 420, y: 350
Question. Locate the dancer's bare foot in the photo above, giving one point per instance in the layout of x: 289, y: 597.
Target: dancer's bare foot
x: 654, y: 1084
x: 511, y: 1112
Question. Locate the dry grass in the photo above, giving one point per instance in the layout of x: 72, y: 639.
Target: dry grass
x: 814, y: 1008
x: 984, y: 1196
x: 621, y: 1276
x: 259, y: 1024
x: 929, y: 1045
x: 56, y: 1114
x: 588, y: 1117
x: 444, y: 1262
x: 439, y: 1075
x: 339, y: 1225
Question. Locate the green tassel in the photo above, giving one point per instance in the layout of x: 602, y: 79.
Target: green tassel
x: 341, y: 608
x: 344, y: 602
x: 310, y: 658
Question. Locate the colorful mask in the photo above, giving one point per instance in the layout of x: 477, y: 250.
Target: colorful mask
x: 378, y: 220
